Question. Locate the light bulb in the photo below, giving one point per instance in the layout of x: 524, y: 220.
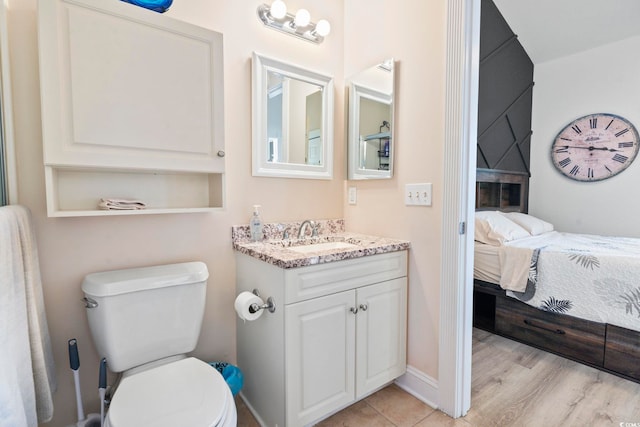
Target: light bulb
x: 278, y: 9
x: 303, y: 17
x: 323, y: 27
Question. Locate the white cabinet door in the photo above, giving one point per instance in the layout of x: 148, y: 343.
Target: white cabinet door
x: 381, y: 334
x: 319, y: 356
x: 125, y: 87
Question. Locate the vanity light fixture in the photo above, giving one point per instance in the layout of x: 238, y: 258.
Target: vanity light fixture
x: 299, y: 25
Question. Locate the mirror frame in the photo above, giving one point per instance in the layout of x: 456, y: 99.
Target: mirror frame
x: 262, y: 65
x: 356, y: 93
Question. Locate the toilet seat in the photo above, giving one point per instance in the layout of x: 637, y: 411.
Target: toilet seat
x: 188, y: 392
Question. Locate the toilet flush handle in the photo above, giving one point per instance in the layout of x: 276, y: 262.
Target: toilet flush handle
x: 90, y: 303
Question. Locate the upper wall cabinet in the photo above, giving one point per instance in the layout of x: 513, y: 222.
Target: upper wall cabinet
x: 132, y: 107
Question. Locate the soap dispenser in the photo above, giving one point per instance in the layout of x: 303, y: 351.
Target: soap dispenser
x: 255, y: 225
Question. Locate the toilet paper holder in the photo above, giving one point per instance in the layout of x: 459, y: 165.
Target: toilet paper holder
x: 270, y: 305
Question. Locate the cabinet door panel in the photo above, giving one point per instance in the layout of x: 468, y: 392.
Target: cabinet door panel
x: 124, y: 87
x: 320, y: 355
x: 381, y: 334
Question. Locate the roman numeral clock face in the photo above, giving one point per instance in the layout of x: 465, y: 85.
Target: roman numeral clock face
x: 595, y: 147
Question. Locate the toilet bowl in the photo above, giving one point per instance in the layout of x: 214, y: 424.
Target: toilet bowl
x: 188, y: 392
x: 144, y: 321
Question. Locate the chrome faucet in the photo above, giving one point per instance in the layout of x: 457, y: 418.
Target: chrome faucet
x: 303, y: 229
x: 285, y: 234
x: 285, y: 231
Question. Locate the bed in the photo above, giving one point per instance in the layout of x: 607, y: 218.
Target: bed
x: 575, y: 295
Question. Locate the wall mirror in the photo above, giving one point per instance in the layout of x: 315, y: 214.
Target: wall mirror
x: 292, y: 110
x: 371, y: 105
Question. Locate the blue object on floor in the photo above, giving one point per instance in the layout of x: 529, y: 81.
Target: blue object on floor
x: 231, y: 374
x: 155, y: 5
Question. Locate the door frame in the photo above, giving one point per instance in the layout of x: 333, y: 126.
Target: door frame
x: 9, y: 180
x: 456, y: 289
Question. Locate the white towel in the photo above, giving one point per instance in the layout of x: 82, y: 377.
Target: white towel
x: 27, y: 370
x: 514, y: 267
x: 121, y: 204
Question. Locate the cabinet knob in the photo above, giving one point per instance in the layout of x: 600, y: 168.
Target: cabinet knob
x: 221, y: 153
x: 364, y: 307
x: 354, y: 310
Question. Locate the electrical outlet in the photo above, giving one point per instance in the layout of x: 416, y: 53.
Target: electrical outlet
x: 417, y: 194
x: 353, y: 195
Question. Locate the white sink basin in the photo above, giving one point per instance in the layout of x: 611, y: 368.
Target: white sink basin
x: 317, y: 247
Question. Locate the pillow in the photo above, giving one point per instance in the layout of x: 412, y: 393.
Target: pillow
x: 530, y: 223
x: 493, y: 228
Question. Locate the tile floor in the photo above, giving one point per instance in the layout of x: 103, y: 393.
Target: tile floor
x: 389, y: 407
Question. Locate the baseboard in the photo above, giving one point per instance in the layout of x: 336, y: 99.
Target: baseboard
x: 252, y: 410
x: 420, y: 385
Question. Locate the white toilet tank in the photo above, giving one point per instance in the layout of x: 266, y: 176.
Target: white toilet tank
x: 140, y: 315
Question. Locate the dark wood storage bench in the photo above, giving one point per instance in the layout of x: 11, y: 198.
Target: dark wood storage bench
x: 606, y: 347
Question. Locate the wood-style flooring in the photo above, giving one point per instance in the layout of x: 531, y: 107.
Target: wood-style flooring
x: 512, y: 385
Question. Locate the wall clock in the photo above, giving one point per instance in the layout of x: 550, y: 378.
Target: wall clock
x: 595, y: 147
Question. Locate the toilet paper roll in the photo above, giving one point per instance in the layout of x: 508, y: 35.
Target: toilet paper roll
x: 242, y: 304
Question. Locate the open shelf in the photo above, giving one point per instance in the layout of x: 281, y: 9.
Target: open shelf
x: 499, y: 190
x: 76, y: 191
x: 123, y: 132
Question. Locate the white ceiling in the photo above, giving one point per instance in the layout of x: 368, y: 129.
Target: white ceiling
x: 551, y: 29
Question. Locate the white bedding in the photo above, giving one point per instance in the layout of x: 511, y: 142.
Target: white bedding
x: 503, y: 265
x: 587, y: 276
x: 486, y: 264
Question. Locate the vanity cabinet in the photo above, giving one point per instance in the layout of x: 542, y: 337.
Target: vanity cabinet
x: 337, y: 335
x: 132, y: 108
x: 343, y: 346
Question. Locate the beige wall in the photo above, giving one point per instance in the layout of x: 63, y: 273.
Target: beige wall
x: 413, y: 33
x: 72, y: 247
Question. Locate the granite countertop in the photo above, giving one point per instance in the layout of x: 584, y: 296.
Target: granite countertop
x: 278, y: 251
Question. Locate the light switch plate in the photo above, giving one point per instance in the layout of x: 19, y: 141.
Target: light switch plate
x: 353, y: 195
x: 418, y: 194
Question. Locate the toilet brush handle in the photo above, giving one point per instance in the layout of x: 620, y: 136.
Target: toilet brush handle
x: 102, y: 378
x: 74, y: 358
x: 76, y: 381
x: 74, y: 363
x: 102, y: 387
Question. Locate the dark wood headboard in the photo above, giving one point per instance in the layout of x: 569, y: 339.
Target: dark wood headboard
x: 502, y: 190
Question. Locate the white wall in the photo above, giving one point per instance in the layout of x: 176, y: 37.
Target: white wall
x: 601, y: 80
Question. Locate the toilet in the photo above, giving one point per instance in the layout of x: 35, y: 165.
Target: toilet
x: 144, y: 321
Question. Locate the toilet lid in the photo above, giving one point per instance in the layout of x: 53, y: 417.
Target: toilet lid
x: 188, y: 392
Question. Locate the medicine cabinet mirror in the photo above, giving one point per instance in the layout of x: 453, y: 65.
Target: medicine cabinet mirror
x: 292, y: 110
x: 371, y: 122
